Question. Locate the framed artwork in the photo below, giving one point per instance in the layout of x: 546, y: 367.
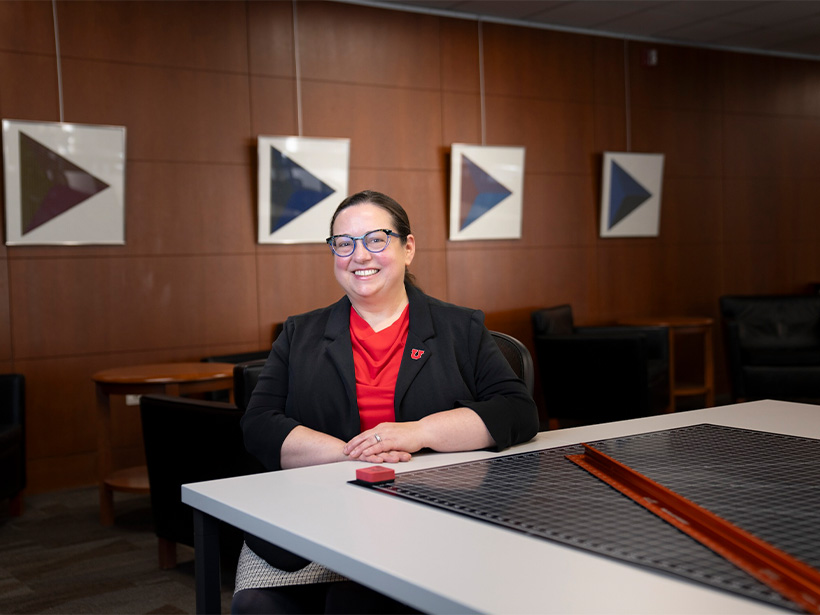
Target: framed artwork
x: 486, y: 192
x: 65, y: 183
x: 301, y: 182
x: 631, y: 194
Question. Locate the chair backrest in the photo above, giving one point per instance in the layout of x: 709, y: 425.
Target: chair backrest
x: 245, y: 377
x: 518, y: 356
x: 553, y: 321
x: 238, y: 357
x: 188, y: 440
x: 773, y: 321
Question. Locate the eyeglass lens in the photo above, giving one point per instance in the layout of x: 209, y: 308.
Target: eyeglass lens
x: 374, y: 241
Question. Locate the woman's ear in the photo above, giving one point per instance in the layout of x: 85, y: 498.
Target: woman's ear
x: 409, y: 249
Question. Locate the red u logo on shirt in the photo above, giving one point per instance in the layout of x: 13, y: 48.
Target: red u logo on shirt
x: 415, y: 354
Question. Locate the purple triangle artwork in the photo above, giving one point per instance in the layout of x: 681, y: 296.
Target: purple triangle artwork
x: 631, y: 195
x: 486, y: 191
x: 50, y: 184
x: 64, y: 183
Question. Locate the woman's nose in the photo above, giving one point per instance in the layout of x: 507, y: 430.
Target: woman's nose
x: 360, y: 253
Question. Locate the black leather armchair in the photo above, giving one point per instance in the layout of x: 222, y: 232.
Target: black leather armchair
x: 13, y: 440
x: 189, y: 440
x: 772, y: 345
x: 599, y: 374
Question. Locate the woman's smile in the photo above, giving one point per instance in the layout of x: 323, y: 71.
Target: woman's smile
x: 365, y: 273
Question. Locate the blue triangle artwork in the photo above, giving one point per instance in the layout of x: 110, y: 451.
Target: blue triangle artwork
x: 293, y: 190
x: 479, y: 192
x: 625, y: 196
x: 50, y: 185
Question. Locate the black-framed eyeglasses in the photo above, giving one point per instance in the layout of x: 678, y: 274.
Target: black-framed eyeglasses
x: 374, y: 241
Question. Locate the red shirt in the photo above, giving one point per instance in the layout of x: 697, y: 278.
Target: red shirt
x: 377, y: 358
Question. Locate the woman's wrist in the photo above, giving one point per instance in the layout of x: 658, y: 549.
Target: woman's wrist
x: 308, y: 447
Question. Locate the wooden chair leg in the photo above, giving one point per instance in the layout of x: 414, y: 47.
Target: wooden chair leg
x: 16, y: 505
x: 167, y: 550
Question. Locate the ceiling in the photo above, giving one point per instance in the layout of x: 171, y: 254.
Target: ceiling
x: 775, y: 27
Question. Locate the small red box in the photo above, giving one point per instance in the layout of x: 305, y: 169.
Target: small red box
x: 375, y: 474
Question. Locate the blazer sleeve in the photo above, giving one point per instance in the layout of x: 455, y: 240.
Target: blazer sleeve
x: 265, y: 424
x: 501, y: 398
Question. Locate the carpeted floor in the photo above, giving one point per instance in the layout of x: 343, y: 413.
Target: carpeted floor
x: 57, y: 558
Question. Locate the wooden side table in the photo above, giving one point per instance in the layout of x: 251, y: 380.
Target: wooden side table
x: 164, y: 378
x: 685, y: 325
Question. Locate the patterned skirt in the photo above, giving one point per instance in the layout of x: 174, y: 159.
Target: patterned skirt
x: 253, y: 572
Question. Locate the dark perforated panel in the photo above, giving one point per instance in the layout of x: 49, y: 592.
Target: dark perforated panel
x: 766, y: 483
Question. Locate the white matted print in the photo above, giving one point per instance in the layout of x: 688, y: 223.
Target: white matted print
x: 301, y: 182
x: 631, y: 194
x: 65, y: 183
x: 486, y: 192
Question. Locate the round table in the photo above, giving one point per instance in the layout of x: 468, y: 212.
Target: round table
x: 164, y: 378
x: 685, y: 325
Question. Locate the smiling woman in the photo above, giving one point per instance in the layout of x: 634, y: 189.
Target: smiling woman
x: 377, y: 206
x: 381, y: 374
x: 371, y: 271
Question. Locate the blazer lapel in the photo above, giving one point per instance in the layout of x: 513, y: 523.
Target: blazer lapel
x: 340, y: 351
x: 416, y: 352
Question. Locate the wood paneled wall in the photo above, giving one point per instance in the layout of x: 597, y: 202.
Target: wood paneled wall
x: 196, y: 82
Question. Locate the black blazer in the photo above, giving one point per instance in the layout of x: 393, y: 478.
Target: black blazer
x: 450, y: 360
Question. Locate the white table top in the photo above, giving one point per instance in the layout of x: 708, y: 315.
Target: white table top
x: 440, y: 562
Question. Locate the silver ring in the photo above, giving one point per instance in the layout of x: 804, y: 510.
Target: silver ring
x: 378, y: 438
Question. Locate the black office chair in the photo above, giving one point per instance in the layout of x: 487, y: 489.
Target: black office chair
x: 599, y: 374
x: 518, y: 356
x: 13, y: 440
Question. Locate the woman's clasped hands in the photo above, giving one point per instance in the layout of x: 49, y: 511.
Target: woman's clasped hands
x: 385, y: 443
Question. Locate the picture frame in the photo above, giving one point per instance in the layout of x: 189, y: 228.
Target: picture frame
x: 631, y: 194
x: 486, y: 192
x: 64, y: 183
x: 301, y: 182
